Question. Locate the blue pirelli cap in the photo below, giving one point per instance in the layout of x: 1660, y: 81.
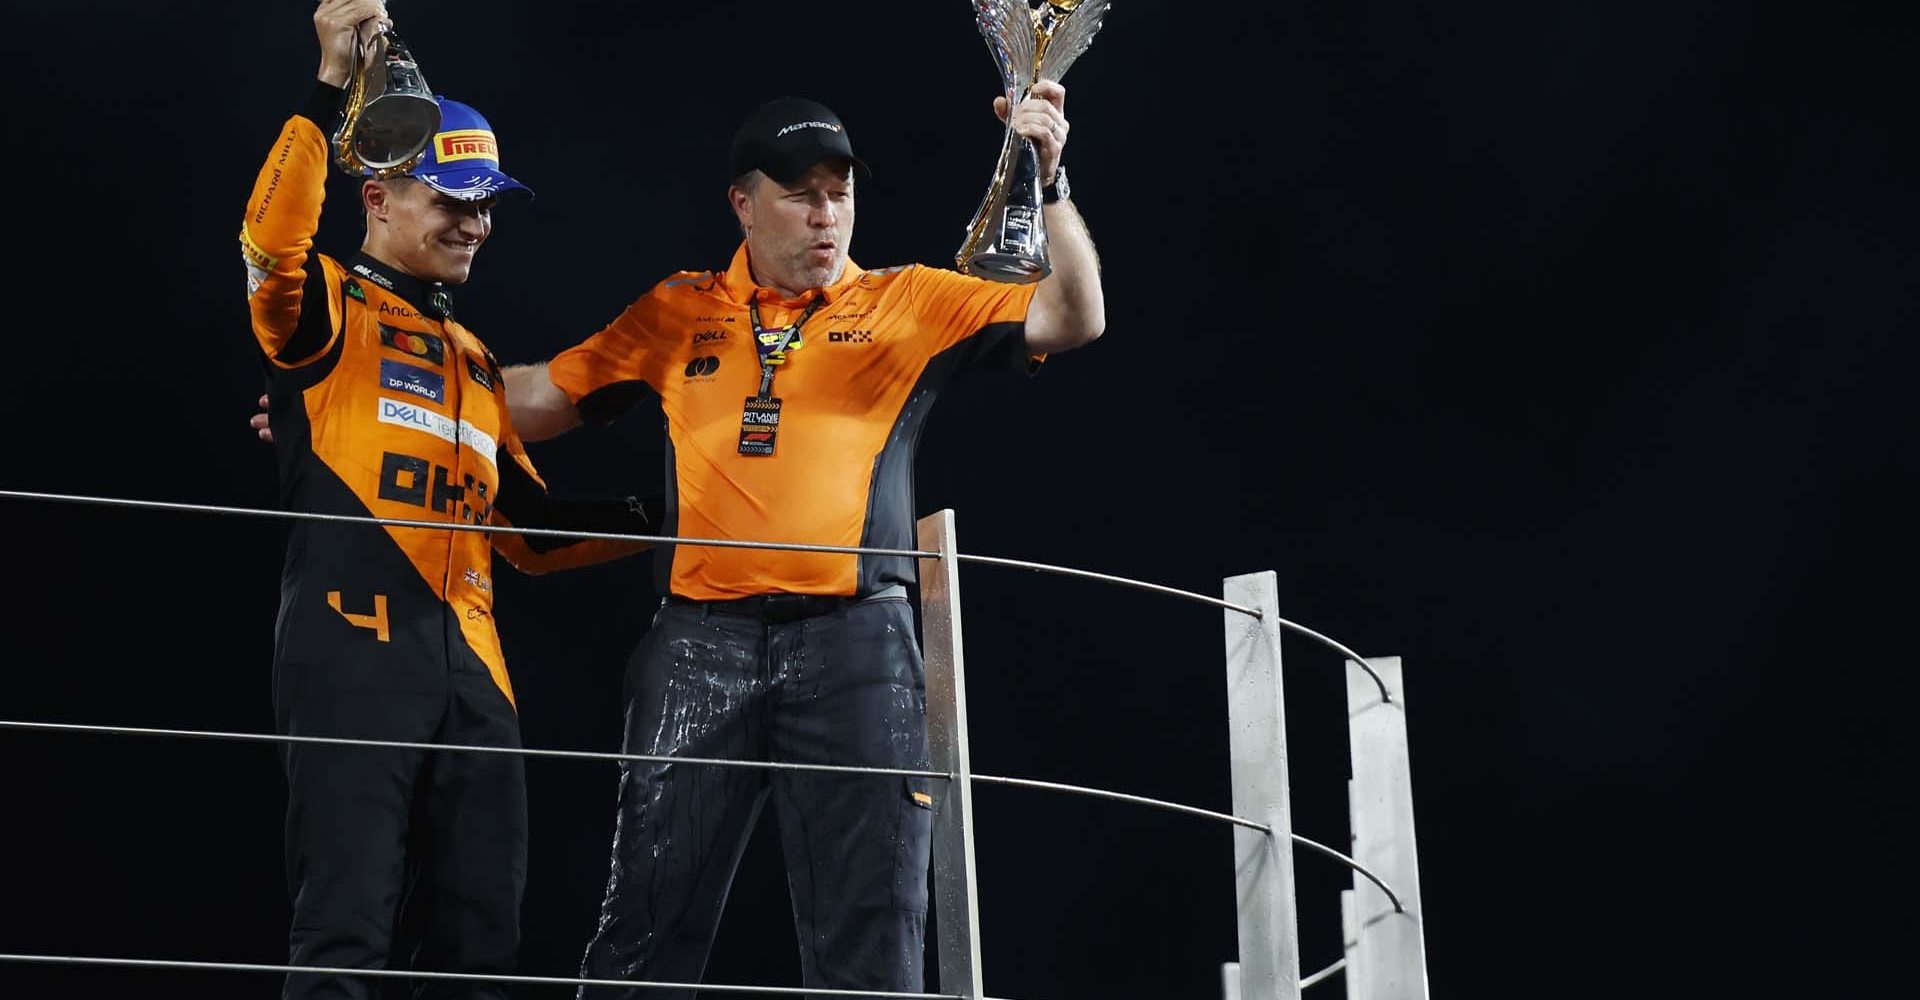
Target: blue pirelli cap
x: 463, y: 158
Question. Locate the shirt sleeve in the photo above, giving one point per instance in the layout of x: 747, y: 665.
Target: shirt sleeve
x: 287, y: 291
x: 608, y: 373
x: 986, y: 320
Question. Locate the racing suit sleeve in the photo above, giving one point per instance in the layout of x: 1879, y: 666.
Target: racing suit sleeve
x: 294, y: 318
x: 524, y: 502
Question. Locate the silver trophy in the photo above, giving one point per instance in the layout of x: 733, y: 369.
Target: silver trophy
x: 389, y: 114
x: 1007, y: 239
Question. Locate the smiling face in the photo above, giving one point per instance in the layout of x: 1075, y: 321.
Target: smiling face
x: 424, y: 233
x: 797, y: 232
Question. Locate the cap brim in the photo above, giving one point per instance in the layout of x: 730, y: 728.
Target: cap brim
x: 472, y: 184
x: 787, y: 169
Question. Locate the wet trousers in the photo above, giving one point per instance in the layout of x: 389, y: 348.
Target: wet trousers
x: 819, y: 681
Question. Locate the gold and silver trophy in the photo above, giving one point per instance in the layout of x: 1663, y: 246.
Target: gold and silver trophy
x: 1007, y: 239
x: 389, y: 114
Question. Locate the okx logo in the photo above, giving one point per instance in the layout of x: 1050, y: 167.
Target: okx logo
x: 850, y: 337
x: 703, y: 367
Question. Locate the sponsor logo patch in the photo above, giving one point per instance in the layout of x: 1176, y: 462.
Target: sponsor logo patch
x: 412, y: 480
x: 480, y: 375
x: 465, y: 144
x: 703, y: 367
x: 402, y: 377
x: 419, y: 418
x: 255, y: 256
x: 421, y: 345
x: 374, y: 276
x: 797, y: 126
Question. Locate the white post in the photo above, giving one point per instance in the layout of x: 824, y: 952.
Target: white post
x: 956, y: 893
x: 1388, y: 961
x: 1257, y: 726
x: 1350, y: 944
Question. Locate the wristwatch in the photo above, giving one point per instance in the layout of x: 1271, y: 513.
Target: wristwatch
x: 1059, y: 190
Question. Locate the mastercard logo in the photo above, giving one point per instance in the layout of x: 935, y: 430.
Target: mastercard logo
x: 420, y: 345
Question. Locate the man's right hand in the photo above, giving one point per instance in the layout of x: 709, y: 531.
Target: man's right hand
x: 259, y: 422
x: 342, y: 25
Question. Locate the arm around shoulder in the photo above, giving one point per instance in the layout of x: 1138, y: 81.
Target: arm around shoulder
x: 539, y: 409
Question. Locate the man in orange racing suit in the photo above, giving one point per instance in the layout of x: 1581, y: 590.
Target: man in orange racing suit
x: 384, y: 405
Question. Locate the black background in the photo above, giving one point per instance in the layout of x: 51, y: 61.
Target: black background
x: 1555, y: 347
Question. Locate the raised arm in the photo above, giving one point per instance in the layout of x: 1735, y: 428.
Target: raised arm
x: 286, y: 288
x: 1069, y: 309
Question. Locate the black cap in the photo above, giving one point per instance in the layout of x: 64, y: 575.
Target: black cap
x: 785, y: 137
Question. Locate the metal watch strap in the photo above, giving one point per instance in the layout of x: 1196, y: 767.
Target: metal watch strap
x: 1058, y: 189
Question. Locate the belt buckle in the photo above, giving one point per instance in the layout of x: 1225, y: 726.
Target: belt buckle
x: 787, y: 607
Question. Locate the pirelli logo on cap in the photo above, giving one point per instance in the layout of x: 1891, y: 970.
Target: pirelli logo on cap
x: 465, y: 144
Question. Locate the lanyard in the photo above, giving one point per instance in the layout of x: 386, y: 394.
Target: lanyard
x: 773, y: 353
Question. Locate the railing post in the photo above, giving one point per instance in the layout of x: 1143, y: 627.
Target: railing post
x: 956, y: 893
x: 1257, y: 727
x: 1356, y: 967
x: 1388, y: 960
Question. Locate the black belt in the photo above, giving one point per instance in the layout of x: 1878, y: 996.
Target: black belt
x: 784, y: 607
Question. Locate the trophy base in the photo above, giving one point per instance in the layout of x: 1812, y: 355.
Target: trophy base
x: 1007, y: 268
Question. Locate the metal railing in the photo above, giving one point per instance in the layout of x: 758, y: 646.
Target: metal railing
x: 1385, y: 949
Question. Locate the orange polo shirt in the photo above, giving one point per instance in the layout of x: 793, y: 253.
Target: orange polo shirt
x: 854, y: 392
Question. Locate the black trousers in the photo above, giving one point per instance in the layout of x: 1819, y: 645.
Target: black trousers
x: 840, y: 687
x: 401, y: 858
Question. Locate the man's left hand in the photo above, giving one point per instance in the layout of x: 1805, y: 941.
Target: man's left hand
x: 1042, y: 117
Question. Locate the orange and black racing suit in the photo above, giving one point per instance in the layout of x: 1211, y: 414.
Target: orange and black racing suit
x: 383, y: 405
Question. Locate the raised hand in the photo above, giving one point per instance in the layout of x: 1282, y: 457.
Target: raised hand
x: 1042, y: 117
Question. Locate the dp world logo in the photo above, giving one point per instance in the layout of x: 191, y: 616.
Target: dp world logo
x: 703, y: 367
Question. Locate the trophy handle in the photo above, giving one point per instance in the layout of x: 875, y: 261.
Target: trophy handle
x: 1007, y: 239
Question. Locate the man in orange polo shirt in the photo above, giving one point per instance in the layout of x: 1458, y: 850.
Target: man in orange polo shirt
x: 795, y: 384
